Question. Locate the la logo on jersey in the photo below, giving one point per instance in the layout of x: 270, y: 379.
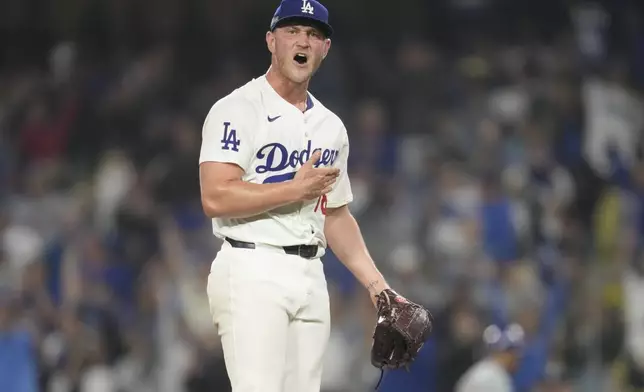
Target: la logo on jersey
x: 307, y: 8
x: 229, y: 140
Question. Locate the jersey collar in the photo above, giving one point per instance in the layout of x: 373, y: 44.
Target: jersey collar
x: 283, y: 102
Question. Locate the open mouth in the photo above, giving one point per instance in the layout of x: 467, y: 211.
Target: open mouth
x: 301, y: 58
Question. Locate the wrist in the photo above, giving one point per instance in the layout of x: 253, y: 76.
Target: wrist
x: 376, y: 286
x: 295, y: 191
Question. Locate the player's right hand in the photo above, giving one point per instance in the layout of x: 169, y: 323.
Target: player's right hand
x: 314, y: 182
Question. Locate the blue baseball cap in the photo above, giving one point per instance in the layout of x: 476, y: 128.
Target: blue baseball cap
x: 306, y: 11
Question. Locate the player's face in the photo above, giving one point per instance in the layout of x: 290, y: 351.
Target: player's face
x: 298, y: 51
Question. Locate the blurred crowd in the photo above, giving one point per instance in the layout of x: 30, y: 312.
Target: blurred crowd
x: 496, y: 163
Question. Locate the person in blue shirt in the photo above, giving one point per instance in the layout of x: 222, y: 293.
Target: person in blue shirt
x: 18, y: 363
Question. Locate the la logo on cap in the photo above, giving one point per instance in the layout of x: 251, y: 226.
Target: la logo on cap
x: 307, y: 8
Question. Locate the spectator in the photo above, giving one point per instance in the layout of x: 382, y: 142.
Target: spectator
x: 18, y: 361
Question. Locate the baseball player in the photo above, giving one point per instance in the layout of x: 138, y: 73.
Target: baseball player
x: 273, y: 173
x: 493, y: 373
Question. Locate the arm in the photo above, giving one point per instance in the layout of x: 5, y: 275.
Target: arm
x: 225, y: 195
x: 345, y: 239
x: 343, y: 234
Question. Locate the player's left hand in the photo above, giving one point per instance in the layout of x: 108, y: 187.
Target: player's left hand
x: 314, y: 182
x: 401, y: 330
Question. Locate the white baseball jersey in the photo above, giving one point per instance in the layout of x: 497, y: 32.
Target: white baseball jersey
x: 485, y: 376
x: 269, y: 138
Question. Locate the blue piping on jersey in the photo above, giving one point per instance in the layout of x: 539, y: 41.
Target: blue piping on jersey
x: 309, y: 102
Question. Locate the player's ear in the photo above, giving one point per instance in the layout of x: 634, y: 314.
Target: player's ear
x: 327, y: 47
x: 270, y: 41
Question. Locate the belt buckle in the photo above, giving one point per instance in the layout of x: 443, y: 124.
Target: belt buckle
x: 307, y: 252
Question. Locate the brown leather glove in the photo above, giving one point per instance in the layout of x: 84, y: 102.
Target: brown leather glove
x: 401, y: 330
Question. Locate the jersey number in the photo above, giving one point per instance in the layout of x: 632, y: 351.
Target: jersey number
x: 321, y: 205
x: 229, y: 140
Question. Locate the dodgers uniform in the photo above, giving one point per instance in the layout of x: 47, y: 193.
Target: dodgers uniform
x: 267, y: 289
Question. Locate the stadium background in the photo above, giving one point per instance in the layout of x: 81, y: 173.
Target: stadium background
x: 496, y: 151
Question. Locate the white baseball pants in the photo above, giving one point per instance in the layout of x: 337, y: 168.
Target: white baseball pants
x: 272, y: 313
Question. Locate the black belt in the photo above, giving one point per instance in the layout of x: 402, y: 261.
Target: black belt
x: 305, y: 251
